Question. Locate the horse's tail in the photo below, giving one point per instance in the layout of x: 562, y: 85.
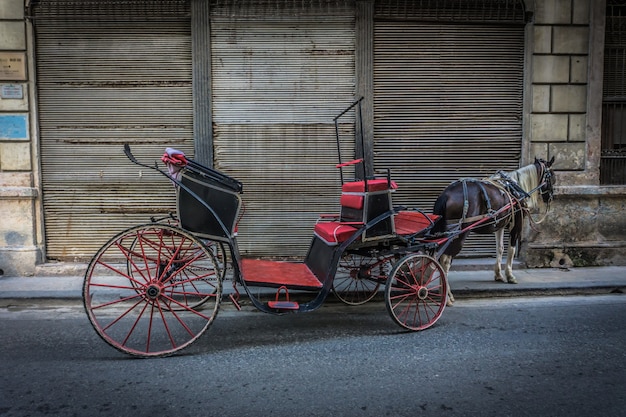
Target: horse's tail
x: 440, y: 210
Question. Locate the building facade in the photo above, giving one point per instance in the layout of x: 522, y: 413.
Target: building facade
x: 450, y: 89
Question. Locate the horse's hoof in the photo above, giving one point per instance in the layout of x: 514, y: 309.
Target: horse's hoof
x: 512, y: 280
x: 499, y: 279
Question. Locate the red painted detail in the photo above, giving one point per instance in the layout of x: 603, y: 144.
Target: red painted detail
x: 345, y: 164
x: 274, y: 273
x: 411, y: 222
x: 333, y: 232
x: 378, y: 184
x: 352, y: 200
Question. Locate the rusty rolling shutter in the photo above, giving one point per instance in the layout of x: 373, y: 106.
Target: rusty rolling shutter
x: 281, y: 71
x: 447, y: 104
x: 108, y: 73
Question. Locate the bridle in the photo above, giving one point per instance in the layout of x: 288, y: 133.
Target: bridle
x: 546, y: 190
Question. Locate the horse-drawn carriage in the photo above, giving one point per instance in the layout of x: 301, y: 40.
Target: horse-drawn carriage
x: 154, y: 289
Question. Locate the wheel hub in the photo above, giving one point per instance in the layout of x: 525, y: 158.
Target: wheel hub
x: 422, y: 293
x: 153, y: 291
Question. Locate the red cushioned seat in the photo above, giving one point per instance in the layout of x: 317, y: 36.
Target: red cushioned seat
x: 378, y: 184
x: 411, y: 222
x: 352, y: 200
x: 333, y: 232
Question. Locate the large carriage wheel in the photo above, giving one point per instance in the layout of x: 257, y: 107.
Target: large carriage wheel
x: 358, y: 278
x: 152, y: 290
x: 416, y: 290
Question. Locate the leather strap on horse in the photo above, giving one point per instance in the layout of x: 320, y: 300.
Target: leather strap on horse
x: 512, y: 197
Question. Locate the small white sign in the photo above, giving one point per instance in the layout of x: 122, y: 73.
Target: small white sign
x: 12, y: 91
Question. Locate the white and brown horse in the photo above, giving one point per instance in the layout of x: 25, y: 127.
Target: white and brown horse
x: 490, y: 206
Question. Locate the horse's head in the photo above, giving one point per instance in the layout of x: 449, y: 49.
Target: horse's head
x: 546, y: 179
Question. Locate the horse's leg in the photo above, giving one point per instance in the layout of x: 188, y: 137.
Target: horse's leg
x: 515, y: 234
x: 497, y: 270
x: 509, y: 264
x: 446, y: 261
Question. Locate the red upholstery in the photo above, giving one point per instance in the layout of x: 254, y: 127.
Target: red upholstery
x: 410, y: 222
x: 333, y: 232
x: 352, y: 200
x: 378, y: 184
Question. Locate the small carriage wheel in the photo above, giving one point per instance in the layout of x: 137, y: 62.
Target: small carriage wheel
x: 358, y: 278
x: 142, y: 290
x: 416, y: 291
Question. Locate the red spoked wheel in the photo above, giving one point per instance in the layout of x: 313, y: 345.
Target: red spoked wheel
x: 358, y: 278
x: 416, y: 292
x: 152, y: 290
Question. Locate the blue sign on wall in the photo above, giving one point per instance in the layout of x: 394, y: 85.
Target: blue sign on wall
x: 14, y: 126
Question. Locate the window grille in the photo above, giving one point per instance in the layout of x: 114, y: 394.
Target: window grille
x: 613, y: 156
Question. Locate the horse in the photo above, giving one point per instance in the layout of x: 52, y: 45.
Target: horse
x: 489, y: 206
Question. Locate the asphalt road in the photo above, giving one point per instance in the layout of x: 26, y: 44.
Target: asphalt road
x: 553, y: 356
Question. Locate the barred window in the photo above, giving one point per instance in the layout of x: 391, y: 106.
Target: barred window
x: 613, y: 157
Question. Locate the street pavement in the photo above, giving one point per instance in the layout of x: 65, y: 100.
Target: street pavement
x: 469, y: 278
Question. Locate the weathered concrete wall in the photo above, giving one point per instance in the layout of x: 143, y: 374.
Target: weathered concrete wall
x: 19, y: 251
x: 590, y: 231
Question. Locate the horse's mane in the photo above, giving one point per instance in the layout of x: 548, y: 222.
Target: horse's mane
x: 527, y: 178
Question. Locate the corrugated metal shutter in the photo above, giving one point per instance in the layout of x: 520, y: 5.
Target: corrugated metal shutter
x: 447, y: 104
x: 108, y: 75
x: 282, y: 71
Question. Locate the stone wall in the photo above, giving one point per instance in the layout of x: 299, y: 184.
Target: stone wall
x: 559, y: 82
x: 586, y: 225
x: 19, y: 251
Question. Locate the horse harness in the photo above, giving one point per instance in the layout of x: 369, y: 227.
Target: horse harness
x: 505, y: 184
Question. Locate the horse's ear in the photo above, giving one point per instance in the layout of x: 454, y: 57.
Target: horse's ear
x: 550, y: 162
x: 536, y: 160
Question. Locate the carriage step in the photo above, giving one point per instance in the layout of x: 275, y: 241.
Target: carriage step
x: 283, y: 305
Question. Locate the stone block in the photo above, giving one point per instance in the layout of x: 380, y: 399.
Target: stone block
x: 570, y: 40
x: 16, y: 227
x: 541, y: 98
x: 578, y: 69
x: 568, y: 156
x: 548, y: 127
x: 569, y: 98
x: 577, y: 127
x: 16, y: 262
x: 539, y: 150
x: 581, y: 12
x: 543, y: 39
x: 553, y: 11
x: 12, y: 9
x: 12, y: 35
x: 15, y: 156
x: 15, y: 179
x: 550, y: 69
